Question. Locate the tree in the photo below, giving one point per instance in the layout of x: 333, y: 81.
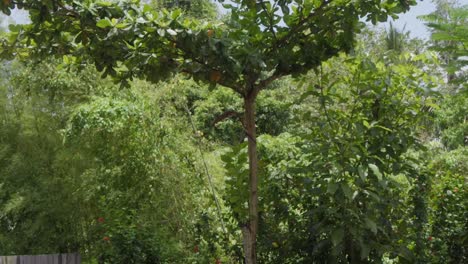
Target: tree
x: 201, y: 9
x: 36, y: 171
x: 259, y: 43
x: 395, y: 39
x: 449, y: 206
x: 334, y: 188
x: 118, y: 161
x: 449, y: 26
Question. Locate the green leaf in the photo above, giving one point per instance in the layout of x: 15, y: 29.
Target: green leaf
x: 348, y: 192
x: 376, y: 171
x: 332, y: 187
x: 337, y: 236
x: 362, y: 173
x: 438, y: 36
x: 371, y: 225
x: 365, y: 250
x: 130, y: 46
x: 171, y: 32
x: 104, y: 3
x: 365, y: 123
x: 384, y: 128
x: 147, y: 8
x: 122, y: 25
x: 405, y: 253
x: 309, y: 93
x: 176, y: 13
x: 66, y: 59
x: 372, y: 195
x: 141, y: 20
x: 104, y: 23
x: 15, y: 27
x: 161, y: 32
x: 355, y: 194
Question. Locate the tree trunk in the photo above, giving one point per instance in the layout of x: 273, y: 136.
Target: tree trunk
x: 250, y: 230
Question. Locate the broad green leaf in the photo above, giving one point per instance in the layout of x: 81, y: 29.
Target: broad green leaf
x: 15, y: 27
x: 332, y: 187
x: 373, y: 195
x: 122, y: 25
x: 66, y: 59
x: 441, y: 36
x: 337, y: 236
x: 176, y: 13
x: 161, y: 32
x: 104, y: 23
x: 365, y: 123
x: 348, y: 192
x: 141, y: 20
x: 104, y: 3
x: 147, y: 8
x: 365, y: 250
x: 371, y: 225
x: 171, y: 32
x: 362, y: 173
x: 406, y: 254
x: 376, y: 171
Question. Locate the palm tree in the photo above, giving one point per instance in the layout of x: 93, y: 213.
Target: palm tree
x: 395, y: 39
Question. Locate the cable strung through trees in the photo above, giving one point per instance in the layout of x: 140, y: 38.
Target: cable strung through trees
x: 208, y: 175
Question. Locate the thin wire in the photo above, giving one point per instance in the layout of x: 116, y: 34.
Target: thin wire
x: 210, y: 180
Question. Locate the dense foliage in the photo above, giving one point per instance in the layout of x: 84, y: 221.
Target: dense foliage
x: 362, y: 153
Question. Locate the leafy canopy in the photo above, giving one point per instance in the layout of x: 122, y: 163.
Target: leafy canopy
x: 260, y: 42
x: 450, y: 38
x: 335, y: 184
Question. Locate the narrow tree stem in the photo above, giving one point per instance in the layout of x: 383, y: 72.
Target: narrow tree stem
x: 250, y: 239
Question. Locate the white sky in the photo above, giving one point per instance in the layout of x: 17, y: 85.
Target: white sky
x: 410, y: 21
x: 413, y: 24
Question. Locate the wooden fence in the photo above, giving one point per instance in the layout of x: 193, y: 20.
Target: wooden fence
x: 73, y: 258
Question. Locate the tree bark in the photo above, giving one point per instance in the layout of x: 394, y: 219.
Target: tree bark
x: 250, y: 230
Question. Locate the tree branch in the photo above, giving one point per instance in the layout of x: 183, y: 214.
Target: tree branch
x: 298, y: 27
x: 270, y: 18
x: 265, y: 82
x: 226, y: 115
x: 190, y: 55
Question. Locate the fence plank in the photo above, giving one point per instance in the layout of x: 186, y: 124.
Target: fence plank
x: 8, y: 260
x: 72, y: 258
